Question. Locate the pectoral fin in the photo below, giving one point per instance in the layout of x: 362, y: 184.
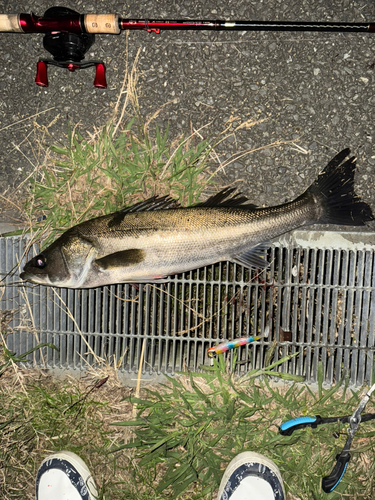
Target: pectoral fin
x: 124, y: 258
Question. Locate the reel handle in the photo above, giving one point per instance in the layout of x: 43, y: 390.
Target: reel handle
x: 41, y: 78
x: 69, y: 48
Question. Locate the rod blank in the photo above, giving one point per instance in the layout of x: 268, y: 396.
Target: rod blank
x: 113, y: 24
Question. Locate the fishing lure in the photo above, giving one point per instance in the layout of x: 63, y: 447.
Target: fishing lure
x: 231, y: 344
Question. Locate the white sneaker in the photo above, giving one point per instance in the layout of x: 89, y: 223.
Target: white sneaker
x: 64, y: 476
x: 251, y: 476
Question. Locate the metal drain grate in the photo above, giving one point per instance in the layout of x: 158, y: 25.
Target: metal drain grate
x: 316, y: 299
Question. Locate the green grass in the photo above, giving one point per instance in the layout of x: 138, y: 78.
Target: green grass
x: 189, y: 431
x: 10, y: 358
x: 88, y: 178
x: 182, y: 435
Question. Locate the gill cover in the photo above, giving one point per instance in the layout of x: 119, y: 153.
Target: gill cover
x: 64, y: 263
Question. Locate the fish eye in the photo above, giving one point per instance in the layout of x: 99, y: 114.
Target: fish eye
x: 40, y: 261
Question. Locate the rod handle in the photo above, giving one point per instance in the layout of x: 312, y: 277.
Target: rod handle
x: 10, y: 23
x: 102, y: 23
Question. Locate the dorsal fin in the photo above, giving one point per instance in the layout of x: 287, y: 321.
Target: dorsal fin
x: 221, y: 199
x: 224, y: 199
x: 154, y: 203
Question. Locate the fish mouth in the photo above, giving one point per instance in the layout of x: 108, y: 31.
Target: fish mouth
x: 25, y: 276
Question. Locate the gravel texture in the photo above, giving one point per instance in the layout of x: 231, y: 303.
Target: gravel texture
x: 314, y: 91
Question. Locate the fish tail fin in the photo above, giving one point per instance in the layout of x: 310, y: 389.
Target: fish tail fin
x: 334, y: 189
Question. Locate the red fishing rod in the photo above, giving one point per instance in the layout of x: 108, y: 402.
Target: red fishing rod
x: 68, y: 35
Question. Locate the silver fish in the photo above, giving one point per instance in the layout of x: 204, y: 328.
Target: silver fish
x: 157, y: 238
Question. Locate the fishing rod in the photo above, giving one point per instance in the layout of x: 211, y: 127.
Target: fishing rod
x: 68, y: 35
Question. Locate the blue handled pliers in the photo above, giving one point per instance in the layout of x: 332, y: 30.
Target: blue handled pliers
x: 330, y: 482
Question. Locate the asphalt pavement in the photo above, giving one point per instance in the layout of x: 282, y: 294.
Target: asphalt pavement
x: 311, y: 93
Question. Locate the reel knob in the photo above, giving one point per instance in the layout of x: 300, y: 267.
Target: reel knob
x: 100, y: 81
x: 41, y: 74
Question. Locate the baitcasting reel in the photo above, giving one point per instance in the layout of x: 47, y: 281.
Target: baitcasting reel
x: 68, y: 50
